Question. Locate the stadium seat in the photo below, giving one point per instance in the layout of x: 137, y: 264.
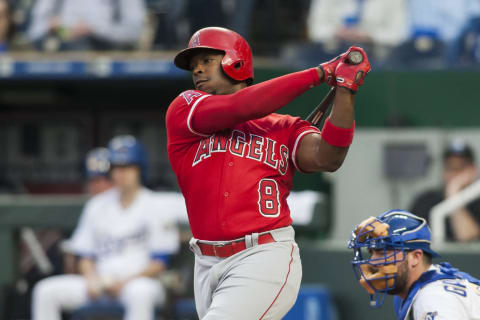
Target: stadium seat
x: 306, y: 54
x: 422, y: 52
x: 184, y: 309
x: 466, y: 50
x: 102, y: 309
x: 314, y: 302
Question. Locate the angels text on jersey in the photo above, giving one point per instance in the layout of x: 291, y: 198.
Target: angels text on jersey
x: 244, y: 145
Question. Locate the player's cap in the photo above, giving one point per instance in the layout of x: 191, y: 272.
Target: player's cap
x: 127, y: 150
x: 460, y: 148
x: 97, y: 162
x: 237, y: 62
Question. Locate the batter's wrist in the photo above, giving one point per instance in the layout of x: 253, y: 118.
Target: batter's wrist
x: 345, y: 90
x: 321, y: 73
x: 337, y: 136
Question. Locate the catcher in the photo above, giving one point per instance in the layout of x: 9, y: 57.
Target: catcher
x: 392, y: 255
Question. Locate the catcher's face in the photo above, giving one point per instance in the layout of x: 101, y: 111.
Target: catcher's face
x: 208, y: 75
x: 396, y: 259
x: 379, y: 271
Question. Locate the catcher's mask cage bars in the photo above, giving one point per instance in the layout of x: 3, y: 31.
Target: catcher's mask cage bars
x: 378, y: 243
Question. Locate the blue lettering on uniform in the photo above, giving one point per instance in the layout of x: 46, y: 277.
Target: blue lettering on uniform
x: 455, y: 287
x: 107, y: 244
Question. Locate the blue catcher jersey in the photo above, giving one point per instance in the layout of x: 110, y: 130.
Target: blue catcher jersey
x: 441, y: 293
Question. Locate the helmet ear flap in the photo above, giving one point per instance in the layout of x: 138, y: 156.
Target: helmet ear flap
x: 238, y: 65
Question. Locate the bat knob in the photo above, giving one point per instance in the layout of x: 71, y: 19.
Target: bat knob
x: 355, y: 57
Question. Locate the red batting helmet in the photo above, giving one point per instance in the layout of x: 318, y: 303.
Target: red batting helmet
x: 237, y: 62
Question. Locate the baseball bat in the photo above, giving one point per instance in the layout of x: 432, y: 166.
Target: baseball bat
x: 317, y: 115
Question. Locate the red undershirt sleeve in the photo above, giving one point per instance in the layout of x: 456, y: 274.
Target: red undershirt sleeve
x: 219, y: 112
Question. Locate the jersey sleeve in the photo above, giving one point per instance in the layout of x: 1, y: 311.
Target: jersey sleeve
x: 441, y: 301
x: 224, y: 111
x: 81, y: 243
x: 180, y: 113
x: 298, y: 130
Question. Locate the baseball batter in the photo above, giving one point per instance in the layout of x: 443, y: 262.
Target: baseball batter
x: 235, y: 158
x: 125, y: 238
x: 397, y: 260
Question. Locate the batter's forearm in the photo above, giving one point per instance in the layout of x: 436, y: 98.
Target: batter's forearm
x: 342, y: 116
x: 220, y: 112
x: 343, y: 111
x: 314, y: 152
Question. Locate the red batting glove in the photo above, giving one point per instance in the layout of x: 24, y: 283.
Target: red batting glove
x: 349, y: 75
x: 328, y: 69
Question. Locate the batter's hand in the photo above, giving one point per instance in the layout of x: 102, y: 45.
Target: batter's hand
x: 328, y: 69
x: 351, y: 75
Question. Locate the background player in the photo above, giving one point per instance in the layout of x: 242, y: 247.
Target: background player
x: 125, y: 238
x: 235, y: 159
x: 397, y: 260
x: 459, y: 171
x: 97, y: 167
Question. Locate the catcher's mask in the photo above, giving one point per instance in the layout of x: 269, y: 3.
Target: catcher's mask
x: 389, y: 236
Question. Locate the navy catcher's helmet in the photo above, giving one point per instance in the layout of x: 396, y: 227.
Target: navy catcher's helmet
x: 127, y: 150
x: 392, y: 234
x: 97, y: 162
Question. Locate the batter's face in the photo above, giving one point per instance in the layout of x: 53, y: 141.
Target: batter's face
x: 208, y: 75
x: 126, y: 178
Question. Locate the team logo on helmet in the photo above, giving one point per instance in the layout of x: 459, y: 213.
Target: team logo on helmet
x: 196, y: 39
x: 97, y: 162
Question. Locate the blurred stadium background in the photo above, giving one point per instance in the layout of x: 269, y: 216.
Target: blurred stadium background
x: 65, y: 89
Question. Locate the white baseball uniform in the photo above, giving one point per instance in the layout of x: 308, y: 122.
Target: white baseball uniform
x: 446, y: 299
x: 122, y: 242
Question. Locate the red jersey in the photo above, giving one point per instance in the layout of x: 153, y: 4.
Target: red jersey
x: 235, y: 173
x: 237, y: 181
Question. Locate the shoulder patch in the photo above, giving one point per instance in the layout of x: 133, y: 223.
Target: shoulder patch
x: 190, y: 95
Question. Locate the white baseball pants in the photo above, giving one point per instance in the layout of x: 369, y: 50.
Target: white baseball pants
x: 260, y: 282
x: 67, y: 292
